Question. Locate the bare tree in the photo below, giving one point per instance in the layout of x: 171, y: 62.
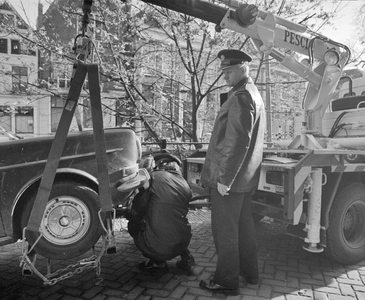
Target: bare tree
x: 163, y: 64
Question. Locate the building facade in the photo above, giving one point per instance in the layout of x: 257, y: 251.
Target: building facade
x: 31, y: 101
x: 18, y: 75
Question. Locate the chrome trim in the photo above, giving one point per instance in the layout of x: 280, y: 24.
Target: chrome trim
x: 62, y: 159
x: 126, y: 171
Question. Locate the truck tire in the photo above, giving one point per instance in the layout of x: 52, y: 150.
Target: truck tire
x: 70, y: 223
x: 354, y: 158
x: 346, y: 232
x: 257, y: 218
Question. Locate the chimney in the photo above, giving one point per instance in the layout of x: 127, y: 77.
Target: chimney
x: 40, y: 15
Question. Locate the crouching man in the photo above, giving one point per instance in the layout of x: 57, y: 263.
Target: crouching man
x: 158, y: 225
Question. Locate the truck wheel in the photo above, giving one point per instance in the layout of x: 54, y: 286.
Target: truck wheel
x: 70, y: 223
x: 346, y: 232
x: 256, y: 217
x: 354, y: 158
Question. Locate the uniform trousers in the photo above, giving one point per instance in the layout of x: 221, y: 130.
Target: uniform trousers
x: 234, y: 237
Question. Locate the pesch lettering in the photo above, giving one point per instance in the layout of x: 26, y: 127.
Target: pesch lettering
x: 296, y: 39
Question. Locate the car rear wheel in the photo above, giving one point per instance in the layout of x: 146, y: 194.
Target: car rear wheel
x: 346, y: 232
x: 70, y: 225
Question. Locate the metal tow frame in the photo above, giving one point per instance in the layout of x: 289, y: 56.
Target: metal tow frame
x: 107, y: 213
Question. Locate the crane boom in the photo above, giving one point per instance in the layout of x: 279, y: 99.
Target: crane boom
x: 314, y: 57
x: 276, y: 37
x: 204, y: 10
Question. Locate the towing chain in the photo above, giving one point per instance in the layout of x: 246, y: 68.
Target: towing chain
x: 83, y: 264
x: 28, y: 265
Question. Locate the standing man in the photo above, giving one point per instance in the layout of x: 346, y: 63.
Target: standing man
x: 231, y: 171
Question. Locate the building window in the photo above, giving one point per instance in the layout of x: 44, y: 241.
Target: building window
x: 108, y: 113
x: 64, y: 81
x: 99, y: 26
x: 3, y: 46
x: 5, y: 117
x: 96, y: 28
x: 20, y: 78
x: 15, y: 47
x: 7, y: 20
x: 57, y: 104
x: 149, y: 95
x: 24, y: 119
x: 20, y: 24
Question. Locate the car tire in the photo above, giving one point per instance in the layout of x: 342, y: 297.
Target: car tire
x: 70, y: 224
x: 346, y: 232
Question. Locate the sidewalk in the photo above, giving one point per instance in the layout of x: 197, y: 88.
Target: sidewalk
x: 287, y: 272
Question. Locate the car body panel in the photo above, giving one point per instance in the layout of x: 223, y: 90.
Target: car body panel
x: 22, y: 163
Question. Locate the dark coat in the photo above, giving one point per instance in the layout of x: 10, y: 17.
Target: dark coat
x: 165, y: 232
x: 235, y: 149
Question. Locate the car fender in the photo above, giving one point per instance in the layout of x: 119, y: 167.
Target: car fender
x: 30, y: 183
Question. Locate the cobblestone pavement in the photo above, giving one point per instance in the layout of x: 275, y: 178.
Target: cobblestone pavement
x: 287, y: 272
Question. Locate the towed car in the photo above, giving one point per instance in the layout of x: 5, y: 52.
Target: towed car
x: 70, y: 225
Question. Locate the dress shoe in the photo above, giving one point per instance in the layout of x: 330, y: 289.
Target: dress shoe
x: 254, y: 281
x: 152, y: 265
x: 209, y: 285
x: 251, y: 280
x: 186, y: 262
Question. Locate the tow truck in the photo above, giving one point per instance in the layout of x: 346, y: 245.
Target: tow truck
x: 307, y: 184
x: 310, y: 183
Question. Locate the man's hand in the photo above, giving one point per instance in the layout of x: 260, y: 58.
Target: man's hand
x: 223, y: 189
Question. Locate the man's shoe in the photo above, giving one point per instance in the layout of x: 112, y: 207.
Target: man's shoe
x: 186, y: 263
x: 253, y: 281
x: 209, y: 285
x: 152, y: 265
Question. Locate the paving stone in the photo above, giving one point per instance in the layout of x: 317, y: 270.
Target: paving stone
x: 340, y: 297
x: 346, y: 290
x: 319, y: 296
x: 287, y: 272
x: 265, y: 291
x: 248, y: 292
x: 292, y: 282
x: 280, y: 275
x: 353, y: 274
x: 360, y: 296
x: 349, y: 281
x: 359, y: 288
x: 157, y: 293
x: 312, y: 281
x: 178, y: 292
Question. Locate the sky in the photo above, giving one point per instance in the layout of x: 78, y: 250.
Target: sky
x: 30, y: 7
x: 344, y: 22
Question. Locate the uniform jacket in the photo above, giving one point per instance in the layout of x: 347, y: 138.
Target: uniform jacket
x: 235, y: 149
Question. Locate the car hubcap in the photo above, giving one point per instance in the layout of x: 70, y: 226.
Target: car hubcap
x: 66, y: 220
